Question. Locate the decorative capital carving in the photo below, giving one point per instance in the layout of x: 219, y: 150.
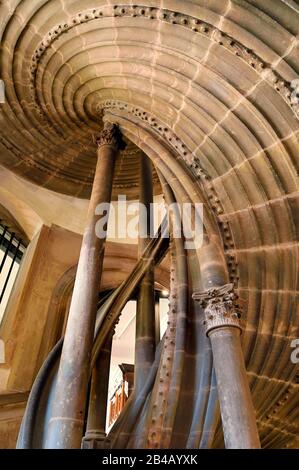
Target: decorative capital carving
x: 110, y: 135
x: 218, y: 307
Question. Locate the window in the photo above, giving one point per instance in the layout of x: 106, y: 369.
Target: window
x: 123, y: 352
x: 11, y: 252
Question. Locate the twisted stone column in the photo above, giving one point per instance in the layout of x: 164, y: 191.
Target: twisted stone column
x: 67, y: 421
x: 223, y: 329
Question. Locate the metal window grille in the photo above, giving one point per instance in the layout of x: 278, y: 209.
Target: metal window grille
x: 11, y: 252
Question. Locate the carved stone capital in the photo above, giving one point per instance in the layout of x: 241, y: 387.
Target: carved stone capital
x: 218, y: 307
x: 110, y: 135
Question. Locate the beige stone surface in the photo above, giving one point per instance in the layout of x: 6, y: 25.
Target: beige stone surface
x: 49, y: 255
x: 203, y: 88
x: 12, y: 407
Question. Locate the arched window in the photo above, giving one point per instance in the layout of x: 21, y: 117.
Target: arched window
x: 11, y: 252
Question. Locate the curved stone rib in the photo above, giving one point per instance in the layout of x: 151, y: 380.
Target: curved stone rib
x: 284, y: 88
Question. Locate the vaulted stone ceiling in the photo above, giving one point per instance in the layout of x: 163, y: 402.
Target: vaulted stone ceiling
x: 214, y: 81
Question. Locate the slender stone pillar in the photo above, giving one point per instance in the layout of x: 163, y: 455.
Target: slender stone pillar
x: 223, y: 328
x: 66, y: 424
x: 145, y: 315
x: 97, y: 409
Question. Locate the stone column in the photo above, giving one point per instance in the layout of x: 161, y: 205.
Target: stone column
x: 97, y: 409
x: 223, y: 329
x: 145, y: 314
x: 67, y: 421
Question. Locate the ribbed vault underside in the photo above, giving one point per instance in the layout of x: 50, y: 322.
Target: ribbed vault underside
x: 212, y: 81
